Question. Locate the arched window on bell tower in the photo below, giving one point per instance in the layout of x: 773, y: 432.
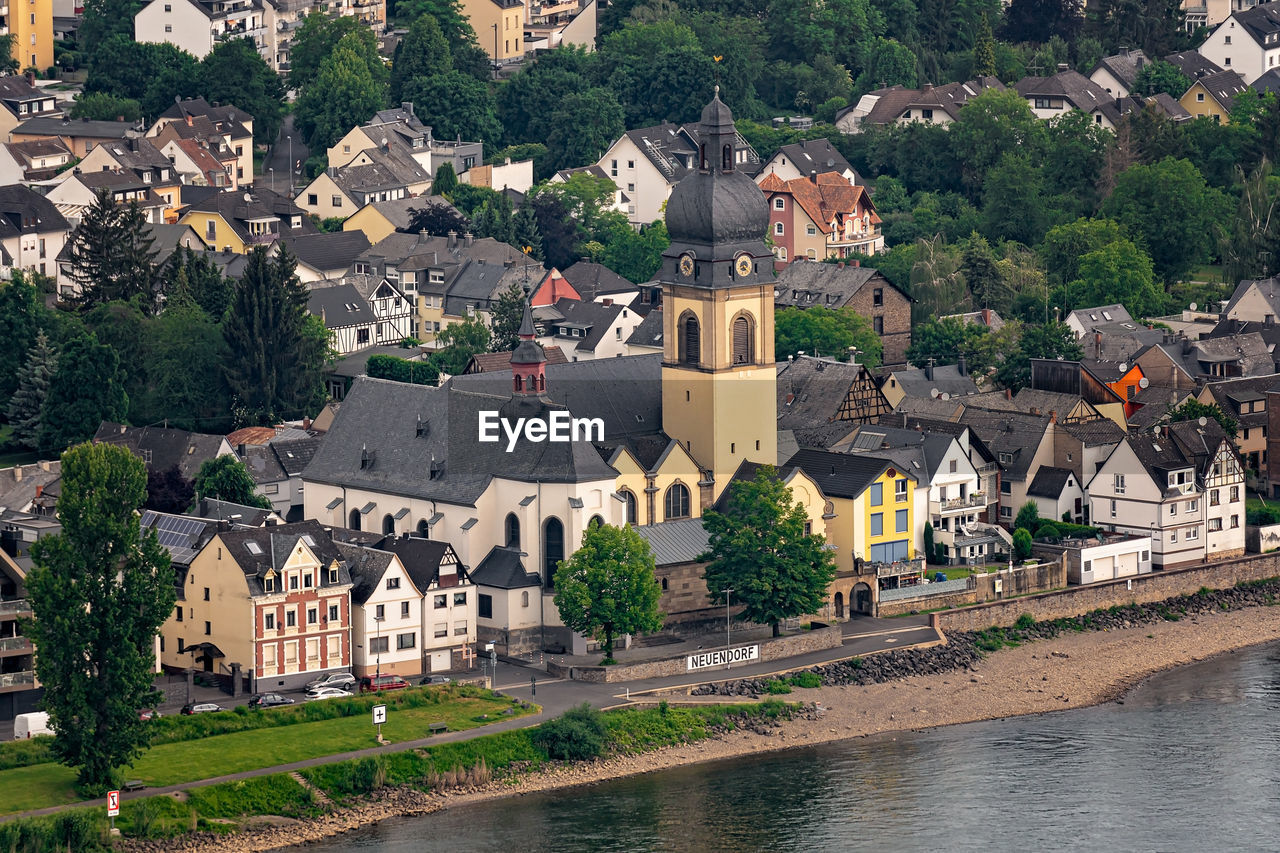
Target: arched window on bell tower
x: 726, y: 158
x: 702, y: 157
x: 690, y: 340
x: 744, y: 339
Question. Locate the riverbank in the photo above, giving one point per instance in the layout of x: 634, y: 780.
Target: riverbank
x: 1069, y: 671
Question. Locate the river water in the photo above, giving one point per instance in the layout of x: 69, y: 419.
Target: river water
x: 1189, y: 762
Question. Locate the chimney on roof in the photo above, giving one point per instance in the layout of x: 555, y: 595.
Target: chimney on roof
x: 453, y: 240
x: 607, y: 302
x: 407, y: 106
x: 813, y: 176
x: 928, y: 369
x: 927, y: 87
x: 1062, y: 66
x: 190, y: 119
x: 306, y: 422
x: 962, y: 366
x: 840, y: 264
x: 468, y: 238
x: 39, y: 490
x: 1053, y: 416
x: 1008, y: 394
x: 856, y: 263
x: 1035, y: 411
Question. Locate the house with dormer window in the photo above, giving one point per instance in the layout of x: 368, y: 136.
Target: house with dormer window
x: 820, y: 216
x: 1247, y: 42
x: 237, y: 221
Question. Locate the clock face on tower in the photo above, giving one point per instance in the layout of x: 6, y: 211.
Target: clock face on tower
x: 686, y: 264
x: 743, y: 265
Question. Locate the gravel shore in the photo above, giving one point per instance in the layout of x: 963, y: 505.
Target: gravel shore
x: 1069, y: 671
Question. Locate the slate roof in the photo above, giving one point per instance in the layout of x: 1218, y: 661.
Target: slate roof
x: 1192, y: 63
x: 593, y: 280
x: 421, y: 558
x: 810, y: 392
x: 14, y: 87
x: 54, y: 126
x: 1185, y: 444
x: 1231, y: 394
x: 389, y: 436
x: 274, y: 544
x: 1098, y: 433
x: 25, y: 211
x: 397, y: 212
x: 1013, y: 433
x: 881, y: 439
x: 330, y: 253
x: 1225, y: 85
x: 1267, y: 288
x: 1124, y: 66
x: 1268, y: 82
x: 223, y: 113
x: 236, y: 514
x: 892, y: 102
x: 1260, y: 21
x: 295, y: 454
x: 814, y: 155
x: 262, y: 203
x: 501, y: 568
x: 676, y: 542
x: 367, y: 566
x: 592, y: 319
x: 162, y: 447
x: 19, y: 483
x: 139, y: 153
x: 167, y: 239
x: 1072, y: 86
x: 649, y: 332
x: 668, y: 147
x: 805, y: 285
x: 841, y: 475
x: 500, y: 362
x: 1049, y: 482
x: 339, y: 305
x: 262, y: 464
x: 946, y: 379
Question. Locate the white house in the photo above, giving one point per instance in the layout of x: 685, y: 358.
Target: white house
x: 1101, y: 558
x: 1248, y: 42
x: 198, y: 27
x: 358, y: 319
x: 585, y: 330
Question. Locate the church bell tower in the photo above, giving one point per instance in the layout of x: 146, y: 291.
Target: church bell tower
x: 718, y: 375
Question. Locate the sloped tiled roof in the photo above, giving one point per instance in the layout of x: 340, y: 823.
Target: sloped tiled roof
x: 814, y: 155
x: 593, y: 280
x: 649, y: 332
x: 825, y: 198
x: 676, y: 542
x: 1081, y: 92
x: 1123, y: 66
x: 841, y: 475
x: 328, y: 252
x: 805, y: 285
x: 501, y: 568
x: 1224, y: 86
x: 1192, y: 63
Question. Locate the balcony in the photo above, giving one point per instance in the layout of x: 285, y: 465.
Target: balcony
x: 18, y: 679
x: 263, y: 239
x: 15, y: 607
x: 954, y: 506
x: 14, y: 644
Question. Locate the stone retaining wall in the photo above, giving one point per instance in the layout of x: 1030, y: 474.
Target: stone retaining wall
x: 819, y: 638
x: 1141, y: 589
x: 1023, y: 580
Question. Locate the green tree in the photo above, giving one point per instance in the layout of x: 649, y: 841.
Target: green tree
x: 1065, y: 245
x: 1193, y: 410
x: 759, y: 549
x: 99, y: 592
x: 508, y: 311
x: 446, y: 180
x: 100, y: 106
x: 981, y: 272
x: 169, y: 491
x: 199, y: 278
x: 225, y: 478
x: 276, y: 349
x: 27, y: 403
x: 458, y: 342
x: 185, y: 384
x: 559, y: 230
x: 423, y: 52
x: 937, y: 285
x: 234, y: 72
x: 607, y: 587
x: 456, y: 105
x: 822, y: 331
x: 314, y: 42
x: 984, y: 50
x: 990, y: 126
x: 1028, y: 517
x: 651, y: 69
x: 1049, y: 340
x: 348, y: 89
x: 583, y: 126
x: 8, y: 64
x: 1170, y: 210
x: 22, y: 314
x: 1159, y: 76
x: 635, y: 255
x: 1013, y: 204
x: 103, y: 19
x: 525, y: 234
x: 1252, y: 236
x: 86, y: 389
x: 886, y: 63
x: 1118, y: 272
x: 944, y: 340
x: 112, y: 255
x: 1021, y: 544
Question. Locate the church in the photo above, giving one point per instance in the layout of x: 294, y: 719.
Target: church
x: 665, y: 434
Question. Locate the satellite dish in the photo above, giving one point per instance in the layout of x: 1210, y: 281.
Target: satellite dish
x: 1194, y: 306
x: 384, y: 142
x: 1144, y: 382
x: 944, y: 396
x: 1203, y: 421
x: 934, y: 393
x: 248, y: 197
x: 1123, y: 367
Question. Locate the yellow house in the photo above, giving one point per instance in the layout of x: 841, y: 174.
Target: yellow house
x: 1212, y: 95
x: 499, y: 26
x: 380, y: 219
x: 31, y: 25
x: 236, y: 222
x: 873, y: 505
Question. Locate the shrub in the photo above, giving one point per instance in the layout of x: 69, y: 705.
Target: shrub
x: 1048, y: 532
x: 1025, y: 621
x: 576, y: 735
x: 807, y: 680
x: 1021, y: 544
x: 776, y: 687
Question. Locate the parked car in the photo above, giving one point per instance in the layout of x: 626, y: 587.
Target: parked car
x: 436, y: 679
x: 31, y: 724
x: 382, y: 682
x: 325, y: 693
x: 201, y: 708
x: 268, y: 700
x: 343, y: 680
x: 148, y: 714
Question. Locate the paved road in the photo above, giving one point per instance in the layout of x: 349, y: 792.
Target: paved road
x: 863, y: 635
x: 276, y: 165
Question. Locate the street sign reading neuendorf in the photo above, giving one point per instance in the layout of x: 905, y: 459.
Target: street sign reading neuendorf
x: 724, y: 657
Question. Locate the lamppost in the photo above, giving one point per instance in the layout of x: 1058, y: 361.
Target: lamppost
x: 377, y: 651
x: 727, y: 644
x: 272, y: 171
x: 289, y: 139
x: 495, y: 51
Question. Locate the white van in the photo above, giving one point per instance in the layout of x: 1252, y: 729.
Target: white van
x: 29, y: 725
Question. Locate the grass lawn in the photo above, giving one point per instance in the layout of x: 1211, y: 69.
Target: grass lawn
x: 41, y: 785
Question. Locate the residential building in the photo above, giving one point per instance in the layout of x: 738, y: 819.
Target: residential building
x: 501, y: 177
x: 585, y: 330
x: 861, y: 289
x: 31, y: 29
x: 647, y: 337
x: 199, y: 166
x: 79, y: 136
x: 1193, y: 64
x: 163, y: 447
x: 1213, y: 95
x: 821, y: 400
x: 325, y: 256
x: 221, y: 128
x: 1247, y: 42
x: 32, y: 230
x: 1245, y: 400
x: 1183, y: 485
x: 21, y: 100
x: 271, y: 604
x: 1021, y: 442
x: 387, y: 613
x: 499, y: 27
x: 984, y: 317
x: 141, y: 159
x: 931, y: 382
x: 1057, y: 495
x: 380, y: 219
x: 1183, y: 364
x: 1049, y: 96
x: 28, y: 162
x: 236, y: 222
x: 276, y: 468
x: 820, y: 216
x: 1117, y: 74
x: 1254, y: 301
x: 79, y: 191
x: 360, y: 312
x: 807, y: 157
x: 1104, y: 557
x: 899, y: 105
x: 594, y: 282
x: 648, y: 162
x: 372, y: 176
x: 198, y: 27
x: 402, y: 136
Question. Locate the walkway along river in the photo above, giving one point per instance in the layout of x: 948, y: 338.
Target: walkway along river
x: 1189, y: 761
